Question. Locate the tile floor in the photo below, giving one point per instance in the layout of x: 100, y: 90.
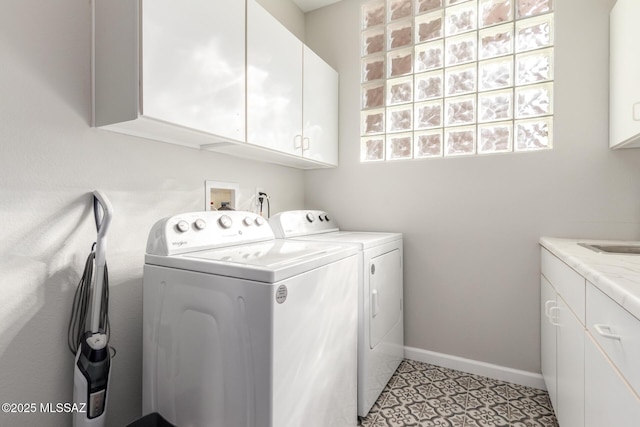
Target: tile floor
x: 422, y: 395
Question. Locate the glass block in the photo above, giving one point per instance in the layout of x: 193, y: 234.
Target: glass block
x: 534, y: 33
x: 534, y: 67
x: 536, y: 134
x: 460, y: 111
x: 495, y: 138
x: 400, y: 91
x: 372, y: 149
x: 452, y: 2
x: 460, y: 141
x: 429, y: 56
x: 372, y: 122
x: 428, y: 143
x: 399, y: 146
x: 400, y: 119
x: 535, y: 100
x: 496, y: 41
x: 399, y: 34
x: 495, y: 106
x: 372, y: 68
x: 461, y: 80
x: 373, y: 95
x: 460, y: 49
x: 372, y: 13
x: 400, y: 62
x: 399, y: 9
x: 428, y: 115
x: 495, y: 74
x: 428, y: 85
x: 492, y: 12
x: 373, y: 41
x: 427, y: 5
x: 533, y: 7
x: 429, y: 27
x: 461, y: 18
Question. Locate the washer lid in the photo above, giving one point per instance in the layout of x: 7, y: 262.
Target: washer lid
x: 267, y: 262
x: 364, y: 240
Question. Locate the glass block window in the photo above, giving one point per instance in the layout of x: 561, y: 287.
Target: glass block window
x: 455, y: 77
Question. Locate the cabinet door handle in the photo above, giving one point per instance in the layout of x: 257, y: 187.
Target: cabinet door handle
x: 553, y: 319
x: 305, y: 146
x: 605, y: 331
x: 297, y: 141
x: 546, y: 307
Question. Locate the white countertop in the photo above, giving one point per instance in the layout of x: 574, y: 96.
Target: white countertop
x: 616, y: 275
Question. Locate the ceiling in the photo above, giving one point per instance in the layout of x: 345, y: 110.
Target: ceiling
x: 309, y: 5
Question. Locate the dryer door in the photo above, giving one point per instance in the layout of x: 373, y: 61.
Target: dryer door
x: 385, y: 287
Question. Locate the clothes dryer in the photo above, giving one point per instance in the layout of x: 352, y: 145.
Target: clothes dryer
x: 243, y: 330
x: 380, y: 294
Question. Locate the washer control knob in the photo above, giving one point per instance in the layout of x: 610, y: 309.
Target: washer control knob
x: 225, y: 221
x: 200, y: 224
x: 248, y: 221
x: 259, y: 221
x: 182, y: 226
x: 310, y: 217
x: 326, y: 218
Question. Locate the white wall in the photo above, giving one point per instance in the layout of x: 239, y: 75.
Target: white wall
x: 50, y: 160
x: 472, y: 225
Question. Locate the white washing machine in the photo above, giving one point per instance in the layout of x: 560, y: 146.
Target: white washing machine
x: 380, y: 294
x: 243, y: 330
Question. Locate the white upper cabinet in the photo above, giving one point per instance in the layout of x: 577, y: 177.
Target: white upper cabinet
x: 274, y: 83
x: 320, y: 110
x: 171, y: 71
x: 624, y: 75
x: 220, y: 75
x: 292, y: 94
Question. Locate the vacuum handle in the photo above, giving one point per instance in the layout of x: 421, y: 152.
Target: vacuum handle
x: 103, y: 212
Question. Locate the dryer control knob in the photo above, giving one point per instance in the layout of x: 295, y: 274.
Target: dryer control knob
x: 259, y: 221
x: 310, y: 217
x: 248, y: 221
x: 225, y: 221
x: 200, y: 224
x: 182, y: 226
x: 326, y: 218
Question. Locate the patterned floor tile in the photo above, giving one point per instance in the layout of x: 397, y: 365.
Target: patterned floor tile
x: 424, y: 395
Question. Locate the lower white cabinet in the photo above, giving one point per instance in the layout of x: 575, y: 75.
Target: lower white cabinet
x: 562, y: 339
x: 570, y: 368
x: 590, y: 367
x: 548, y: 339
x: 609, y: 401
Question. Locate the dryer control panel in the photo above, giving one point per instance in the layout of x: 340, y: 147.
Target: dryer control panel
x: 195, y: 231
x: 301, y: 223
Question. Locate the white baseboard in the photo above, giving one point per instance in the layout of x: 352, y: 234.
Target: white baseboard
x: 497, y: 372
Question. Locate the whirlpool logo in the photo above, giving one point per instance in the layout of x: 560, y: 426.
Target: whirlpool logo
x: 179, y: 243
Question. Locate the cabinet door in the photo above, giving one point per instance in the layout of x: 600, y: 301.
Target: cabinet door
x: 193, y: 65
x: 274, y: 83
x: 320, y: 109
x: 609, y: 401
x: 624, y: 62
x: 548, y: 338
x: 570, y: 365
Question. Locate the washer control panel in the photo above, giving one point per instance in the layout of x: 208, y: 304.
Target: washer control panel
x: 197, y: 231
x: 301, y: 223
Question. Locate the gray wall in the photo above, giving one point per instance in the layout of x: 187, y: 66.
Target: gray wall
x: 49, y: 163
x: 472, y: 225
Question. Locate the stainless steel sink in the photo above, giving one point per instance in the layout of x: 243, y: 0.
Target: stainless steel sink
x: 613, y: 249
